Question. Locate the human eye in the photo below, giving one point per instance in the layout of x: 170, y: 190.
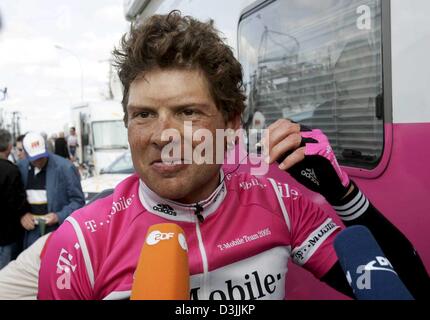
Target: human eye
x: 143, y: 114
x: 190, y: 113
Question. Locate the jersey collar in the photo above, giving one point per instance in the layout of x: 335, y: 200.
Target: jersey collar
x: 176, y: 211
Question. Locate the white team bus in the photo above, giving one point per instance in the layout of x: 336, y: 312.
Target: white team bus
x: 358, y: 70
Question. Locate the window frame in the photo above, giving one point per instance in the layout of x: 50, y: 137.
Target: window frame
x: 387, y: 143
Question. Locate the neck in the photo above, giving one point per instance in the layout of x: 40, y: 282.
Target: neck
x: 4, y: 155
x: 203, y: 192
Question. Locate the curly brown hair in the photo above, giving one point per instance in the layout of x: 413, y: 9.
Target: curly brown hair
x: 176, y: 41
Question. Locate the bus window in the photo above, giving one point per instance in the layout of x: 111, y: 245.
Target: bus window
x: 318, y: 63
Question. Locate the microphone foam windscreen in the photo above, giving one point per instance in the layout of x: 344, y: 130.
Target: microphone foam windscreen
x: 368, y: 271
x: 162, y: 272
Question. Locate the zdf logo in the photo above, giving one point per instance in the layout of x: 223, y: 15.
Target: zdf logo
x: 157, y: 236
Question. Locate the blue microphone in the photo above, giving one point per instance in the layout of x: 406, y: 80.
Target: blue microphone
x: 369, y: 272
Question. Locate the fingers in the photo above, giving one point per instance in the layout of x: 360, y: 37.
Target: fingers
x: 277, y: 133
x: 282, y: 123
x: 294, y: 158
x: 27, y: 222
x: 283, y: 137
x: 292, y: 142
x: 51, y: 219
x: 48, y: 219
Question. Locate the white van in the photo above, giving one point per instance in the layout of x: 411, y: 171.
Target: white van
x: 102, y: 136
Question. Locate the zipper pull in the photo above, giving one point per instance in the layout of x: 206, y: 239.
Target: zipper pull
x: 198, y: 212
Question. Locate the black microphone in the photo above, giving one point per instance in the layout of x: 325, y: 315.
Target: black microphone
x: 369, y: 272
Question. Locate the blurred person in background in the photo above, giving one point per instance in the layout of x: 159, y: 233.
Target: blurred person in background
x: 19, y: 279
x: 51, y: 143
x: 53, y: 189
x: 72, y: 143
x: 12, y: 155
x: 13, y: 200
x: 61, y: 146
x: 44, y: 135
x: 48, y: 142
x: 19, y: 148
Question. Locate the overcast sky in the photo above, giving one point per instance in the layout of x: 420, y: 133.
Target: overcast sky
x: 43, y: 82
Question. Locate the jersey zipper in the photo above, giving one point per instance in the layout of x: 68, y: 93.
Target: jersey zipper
x: 198, y: 212
x: 205, y: 285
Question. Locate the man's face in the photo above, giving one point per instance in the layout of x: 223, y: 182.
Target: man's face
x: 72, y: 132
x: 166, y: 99
x: 20, y: 151
x: 40, y: 163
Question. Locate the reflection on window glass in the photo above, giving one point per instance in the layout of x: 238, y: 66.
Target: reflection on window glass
x: 318, y: 63
x: 109, y: 135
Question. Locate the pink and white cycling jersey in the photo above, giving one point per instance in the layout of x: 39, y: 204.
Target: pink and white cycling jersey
x: 251, y: 227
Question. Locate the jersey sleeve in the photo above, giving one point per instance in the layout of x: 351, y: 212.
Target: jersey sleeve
x: 312, y: 235
x: 65, y: 270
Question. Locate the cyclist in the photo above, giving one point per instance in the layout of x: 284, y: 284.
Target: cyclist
x: 241, y: 229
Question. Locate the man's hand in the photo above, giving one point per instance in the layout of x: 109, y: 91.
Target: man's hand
x: 283, y: 143
x: 27, y: 222
x: 51, y: 219
x: 307, y: 155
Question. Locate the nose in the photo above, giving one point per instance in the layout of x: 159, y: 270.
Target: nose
x: 166, y: 130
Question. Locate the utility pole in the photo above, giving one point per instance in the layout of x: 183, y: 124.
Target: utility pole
x: 110, y: 91
x: 16, y: 125
x: 3, y: 96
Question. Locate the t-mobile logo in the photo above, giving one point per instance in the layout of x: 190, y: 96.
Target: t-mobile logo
x: 252, y: 287
x: 65, y: 268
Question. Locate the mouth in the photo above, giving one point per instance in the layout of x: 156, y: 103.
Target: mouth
x: 168, y: 167
x: 170, y: 162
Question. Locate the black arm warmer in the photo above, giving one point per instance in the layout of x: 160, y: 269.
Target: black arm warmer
x: 336, y: 279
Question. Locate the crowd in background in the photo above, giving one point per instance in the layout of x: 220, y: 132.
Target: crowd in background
x: 39, y: 188
x: 59, y: 144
